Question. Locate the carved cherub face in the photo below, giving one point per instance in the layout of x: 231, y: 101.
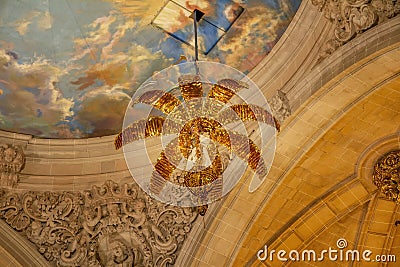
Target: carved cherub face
x: 119, y: 251
x: 88, y: 215
x: 9, y: 154
x: 113, y: 209
x: 138, y: 205
x: 36, y: 228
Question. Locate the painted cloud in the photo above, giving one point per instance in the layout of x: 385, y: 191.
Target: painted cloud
x: 69, y: 68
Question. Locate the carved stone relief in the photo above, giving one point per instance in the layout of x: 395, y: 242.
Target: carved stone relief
x: 352, y: 17
x: 111, y: 225
x: 386, y: 175
x: 280, y: 106
x: 12, y: 160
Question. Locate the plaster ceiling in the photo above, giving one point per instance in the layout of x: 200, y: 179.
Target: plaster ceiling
x: 68, y: 68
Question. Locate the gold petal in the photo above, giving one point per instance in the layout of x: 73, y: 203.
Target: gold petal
x: 161, y: 100
x: 190, y: 86
x: 162, y: 172
x: 206, y: 184
x: 246, y: 149
x: 189, y: 136
x: 150, y: 97
x: 154, y: 126
x: 225, y: 89
x: 167, y: 103
x: 139, y: 130
x: 205, y: 176
x: 248, y: 112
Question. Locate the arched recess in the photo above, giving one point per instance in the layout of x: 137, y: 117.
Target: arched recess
x: 352, y: 211
x: 316, y: 151
x: 372, y: 114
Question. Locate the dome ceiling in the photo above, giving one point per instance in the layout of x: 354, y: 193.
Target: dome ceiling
x: 69, y: 67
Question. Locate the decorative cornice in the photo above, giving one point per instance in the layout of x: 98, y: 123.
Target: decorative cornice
x: 110, y: 225
x: 12, y: 160
x: 352, y: 17
x: 386, y: 175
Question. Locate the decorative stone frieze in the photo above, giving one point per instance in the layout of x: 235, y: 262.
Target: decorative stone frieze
x: 12, y: 160
x: 386, y: 175
x: 110, y: 225
x: 352, y: 17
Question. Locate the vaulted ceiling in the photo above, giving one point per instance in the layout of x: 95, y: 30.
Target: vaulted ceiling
x: 69, y: 68
x: 338, y: 99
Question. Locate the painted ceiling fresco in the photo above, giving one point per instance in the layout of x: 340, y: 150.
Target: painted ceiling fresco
x: 69, y: 67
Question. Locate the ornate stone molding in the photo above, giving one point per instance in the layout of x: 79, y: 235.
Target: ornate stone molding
x: 386, y: 175
x: 280, y: 106
x: 12, y: 160
x: 352, y: 17
x: 110, y: 225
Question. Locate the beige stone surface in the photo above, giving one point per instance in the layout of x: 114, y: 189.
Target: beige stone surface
x: 345, y: 115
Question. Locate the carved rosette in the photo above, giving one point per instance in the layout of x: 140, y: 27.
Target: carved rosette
x: 12, y: 160
x: 111, y: 225
x: 386, y: 175
x: 352, y: 17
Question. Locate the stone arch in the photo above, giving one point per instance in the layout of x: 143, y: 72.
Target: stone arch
x: 316, y: 150
x: 356, y: 193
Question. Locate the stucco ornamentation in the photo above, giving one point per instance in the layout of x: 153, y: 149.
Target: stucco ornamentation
x: 12, y: 160
x: 386, y: 175
x: 280, y: 106
x: 352, y: 17
x: 110, y: 225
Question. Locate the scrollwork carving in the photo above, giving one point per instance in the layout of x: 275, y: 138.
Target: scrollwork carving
x: 110, y: 225
x: 12, y: 160
x: 352, y: 17
x: 386, y: 175
x: 280, y: 106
